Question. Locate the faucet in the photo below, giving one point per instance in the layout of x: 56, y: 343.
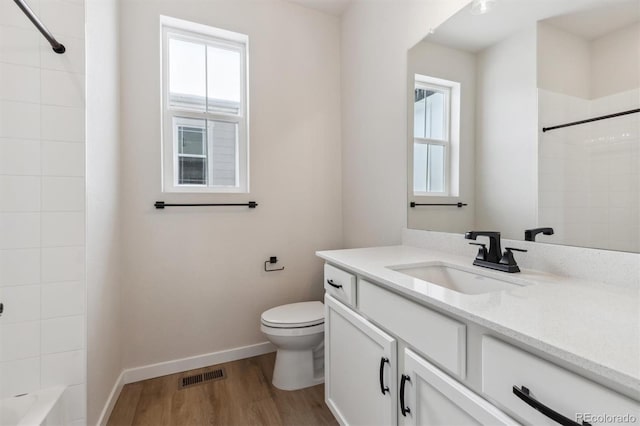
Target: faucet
x: 493, y: 258
x: 495, y: 253
x: 530, y: 234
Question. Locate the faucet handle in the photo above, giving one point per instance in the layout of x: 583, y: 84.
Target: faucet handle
x: 509, y: 260
x: 515, y: 249
x: 482, y: 252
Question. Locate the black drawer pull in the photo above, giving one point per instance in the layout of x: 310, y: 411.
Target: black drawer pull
x: 524, y: 394
x: 383, y: 388
x: 332, y: 284
x: 404, y: 409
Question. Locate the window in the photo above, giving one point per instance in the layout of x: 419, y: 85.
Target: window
x: 205, y: 140
x: 431, y: 138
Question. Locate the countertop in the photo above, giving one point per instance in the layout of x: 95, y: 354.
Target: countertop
x: 593, y: 326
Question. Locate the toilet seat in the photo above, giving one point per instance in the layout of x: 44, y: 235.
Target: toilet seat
x: 294, y: 315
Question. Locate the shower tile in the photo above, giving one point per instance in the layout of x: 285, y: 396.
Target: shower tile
x: 62, y: 334
x: 62, y: 264
x: 19, y: 267
x: 63, y: 194
x: 19, y: 230
x: 62, y: 158
x: 18, y: 377
x: 62, y: 299
x: 65, y: 368
x: 21, y: 303
x: 19, y: 83
x: 19, y: 120
x: 20, y: 340
x: 63, y: 229
x: 19, y: 157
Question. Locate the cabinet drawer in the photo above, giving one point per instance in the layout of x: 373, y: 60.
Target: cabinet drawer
x: 340, y: 284
x: 506, y: 369
x: 441, y: 339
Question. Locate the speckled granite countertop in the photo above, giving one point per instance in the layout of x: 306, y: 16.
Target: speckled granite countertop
x: 591, y: 325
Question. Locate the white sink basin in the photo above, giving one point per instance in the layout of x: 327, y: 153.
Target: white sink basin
x: 456, y: 279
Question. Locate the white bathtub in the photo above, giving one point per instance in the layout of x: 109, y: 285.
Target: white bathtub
x: 42, y: 408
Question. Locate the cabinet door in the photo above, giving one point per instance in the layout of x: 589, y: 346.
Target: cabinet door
x: 360, y: 368
x: 432, y: 398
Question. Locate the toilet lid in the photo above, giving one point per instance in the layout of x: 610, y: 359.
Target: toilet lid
x: 304, y: 314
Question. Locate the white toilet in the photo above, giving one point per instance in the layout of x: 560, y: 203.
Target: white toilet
x: 297, y: 330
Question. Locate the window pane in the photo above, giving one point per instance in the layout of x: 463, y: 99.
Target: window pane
x: 192, y: 171
x: 435, y: 168
x: 429, y: 114
x: 187, y: 84
x: 420, y: 152
x: 223, y: 80
x: 192, y: 140
x: 224, y: 155
x: 419, y: 114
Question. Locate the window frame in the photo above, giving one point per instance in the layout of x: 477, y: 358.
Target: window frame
x: 421, y: 83
x: 172, y: 28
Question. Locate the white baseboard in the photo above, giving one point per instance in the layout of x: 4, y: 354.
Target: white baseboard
x: 136, y: 374
x: 178, y: 365
x: 111, y: 401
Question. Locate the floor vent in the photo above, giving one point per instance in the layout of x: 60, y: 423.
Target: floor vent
x: 198, y: 379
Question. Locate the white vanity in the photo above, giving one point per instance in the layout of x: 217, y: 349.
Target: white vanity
x: 478, y: 347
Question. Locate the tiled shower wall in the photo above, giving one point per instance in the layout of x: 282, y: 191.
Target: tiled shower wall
x: 42, y: 203
x: 589, y: 175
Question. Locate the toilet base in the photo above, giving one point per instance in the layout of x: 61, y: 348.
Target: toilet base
x: 298, y: 369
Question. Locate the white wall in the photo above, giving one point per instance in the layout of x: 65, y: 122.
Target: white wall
x: 564, y: 62
x: 104, y: 311
x: 438, y: 61
x: 375, y: 38
x: 42, y: 204
x: 507, y: 136
x: 193, y: 278
x: 615, y: 62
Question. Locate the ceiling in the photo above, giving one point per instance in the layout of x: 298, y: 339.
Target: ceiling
x: 332, y: 7
x: 476, y: 32
x: 595, y: 23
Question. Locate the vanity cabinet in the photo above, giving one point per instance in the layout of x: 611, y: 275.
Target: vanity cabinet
x: 430, y: 397
x: 392, y: 361
x: 360, y: 368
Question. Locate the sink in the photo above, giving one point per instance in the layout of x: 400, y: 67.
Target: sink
x: 455, y: 278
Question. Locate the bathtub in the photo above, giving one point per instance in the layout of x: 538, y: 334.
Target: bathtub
x: 42, y: 408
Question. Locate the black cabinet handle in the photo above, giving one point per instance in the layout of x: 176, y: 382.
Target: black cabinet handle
x: 383, y: 388
x: 404, y: 409
x: 332, y: 284
x: 524, y: 394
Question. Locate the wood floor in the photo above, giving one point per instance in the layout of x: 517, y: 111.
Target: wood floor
x: 245, y: 397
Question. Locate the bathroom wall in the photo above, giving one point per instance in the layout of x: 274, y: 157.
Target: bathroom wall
x: 375, y: 38
x: 104, y: 248
x: 506, y: 135
x: 42, y: 203
x: 193, y: 278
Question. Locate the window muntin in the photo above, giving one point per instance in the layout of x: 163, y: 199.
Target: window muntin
x: 431, y: 131
x: 205, y: 130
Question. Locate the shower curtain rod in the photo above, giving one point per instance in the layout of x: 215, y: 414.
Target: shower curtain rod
x: 591, y: 120
x: 55, y: 44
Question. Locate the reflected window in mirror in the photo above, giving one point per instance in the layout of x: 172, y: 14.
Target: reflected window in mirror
x: 432, y: 135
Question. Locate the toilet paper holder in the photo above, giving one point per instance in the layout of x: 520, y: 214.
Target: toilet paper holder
x: 272, y: 260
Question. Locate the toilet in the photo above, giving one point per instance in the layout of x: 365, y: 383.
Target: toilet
x: 297, y: 331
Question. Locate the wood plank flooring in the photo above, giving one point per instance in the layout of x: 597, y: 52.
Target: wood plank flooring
x: 245, y: 398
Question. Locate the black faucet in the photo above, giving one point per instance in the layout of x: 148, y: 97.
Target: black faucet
x: 493, y: 258
x: 530, y: 234
x: 495, y: 253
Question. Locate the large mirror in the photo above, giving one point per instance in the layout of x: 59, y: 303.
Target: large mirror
x: 493, y: 101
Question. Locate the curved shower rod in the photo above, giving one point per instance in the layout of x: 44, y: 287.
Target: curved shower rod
x: 55, y: 44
